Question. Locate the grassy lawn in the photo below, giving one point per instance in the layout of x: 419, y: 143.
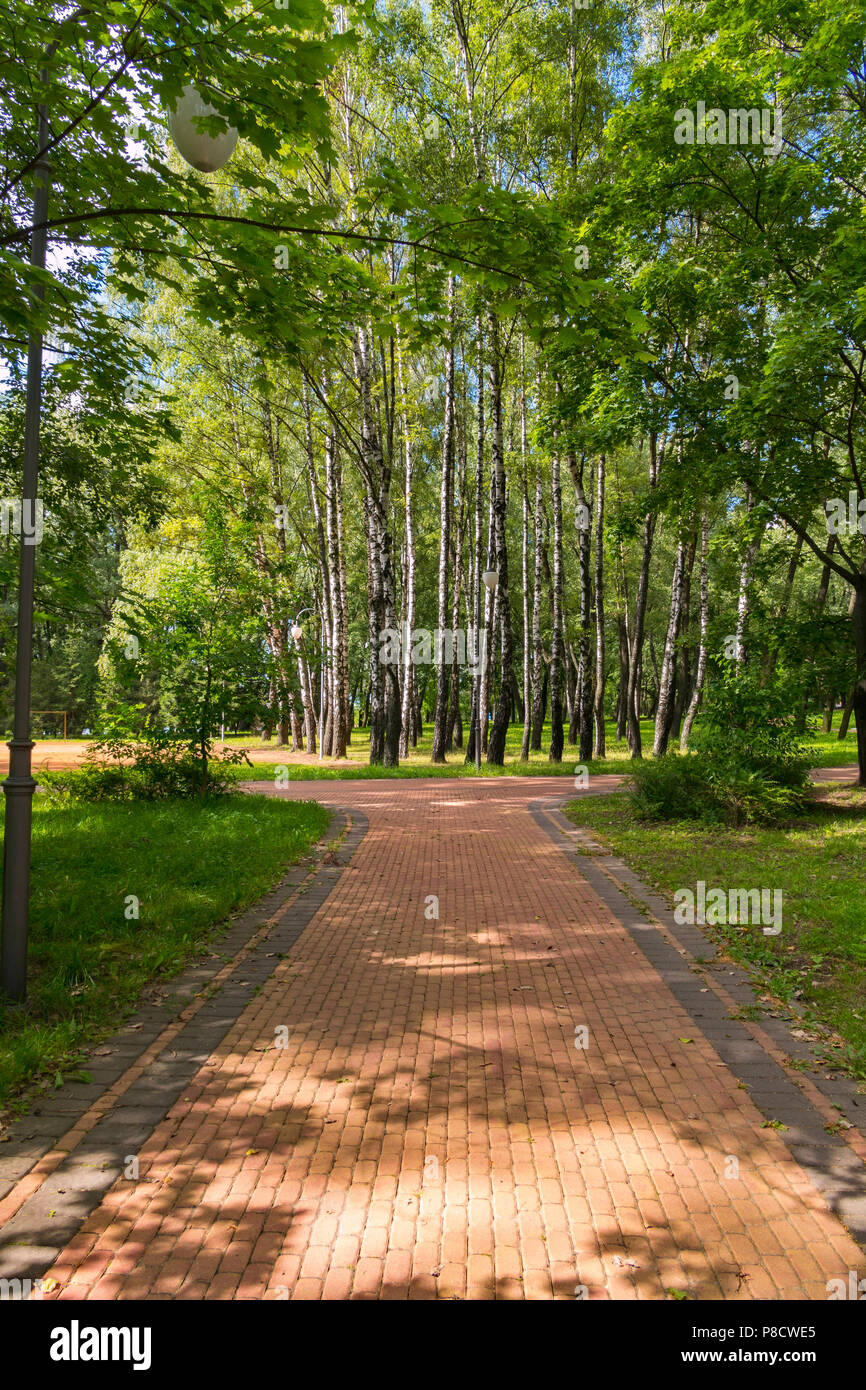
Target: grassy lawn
x: 819, y: 958
x: 303, y: 766
x: 825, y: 751
x: 189, y: 865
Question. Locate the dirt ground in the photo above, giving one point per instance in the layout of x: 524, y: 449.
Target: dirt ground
x: 59, y: 753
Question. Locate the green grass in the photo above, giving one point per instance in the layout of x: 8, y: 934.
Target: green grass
x: 825, y: 751
x: 819, y: 958
x: 190, y: 864
x: 419, y: 764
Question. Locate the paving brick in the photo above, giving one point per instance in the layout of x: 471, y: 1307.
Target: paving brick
x: 431, y: 1131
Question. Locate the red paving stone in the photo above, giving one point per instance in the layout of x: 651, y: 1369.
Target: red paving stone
x: 432, y: 1131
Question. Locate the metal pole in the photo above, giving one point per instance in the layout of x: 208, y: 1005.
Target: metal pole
x: 19, y: 785
x: 478, y: 672
x: 322, y: 689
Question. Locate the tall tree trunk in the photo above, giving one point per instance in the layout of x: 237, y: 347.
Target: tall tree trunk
x: 384, y: 678
x: 820, y: 600
x: 664, y: 708
x: 744, y: 602
x: 454, y: 726
x: 524, y: 557
x: 829, y: 707
x: 473, y: 752
x: 598, y: 704
x: 583, y: 699
x: 649, y: 525
x: 700, y: 675
x: 858, y: 623
x: 315, y: 720
x: 502, y: 714
x: 297, y: 730
x: 622, y: 693
x: 772, y: 655
x: 846, y: 715
x: 557, y: 646
x: 623, y: 629
x: 682, y: 682
x: 337, y: 716
x: 307, y: 696
x: 340, y: 579
x: 444, y: 658
x: 490, y: 619
x: 408, y: 704
x: 538, y: 668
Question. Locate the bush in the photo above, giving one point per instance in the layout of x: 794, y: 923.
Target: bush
x: 691, y: 786
x: 118, y: 768
x: 749, y: 726
x: 91, y: 782
x: 747, y: 767
x: 670, y: 788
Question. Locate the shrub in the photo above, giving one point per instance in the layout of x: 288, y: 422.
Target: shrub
x: 747, y: 765
x: 120, y: 768
x: 691, y: 786
x: 746, y: 725
x: 748, y: 796
x: 670, y: 788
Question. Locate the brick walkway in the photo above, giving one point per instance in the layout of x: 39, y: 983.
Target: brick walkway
x: 431, y: 1129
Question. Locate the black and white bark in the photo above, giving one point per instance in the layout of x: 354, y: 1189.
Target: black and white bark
x: 583, y: 522
x: 557, y: 644
x: 598, y: 700
x: 502, y: 713
x: 649, y: 526
x: 443, y: 657
x: 664, y: 706
x: 700, y: 674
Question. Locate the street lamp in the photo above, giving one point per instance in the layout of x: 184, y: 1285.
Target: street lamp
x: 19, y: 785
x: 296, y: 630
x: 206, y: 153
x: 297, y: 633
x: 491, y: 579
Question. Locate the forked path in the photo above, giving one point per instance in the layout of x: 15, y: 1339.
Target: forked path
x: 487, y: 1090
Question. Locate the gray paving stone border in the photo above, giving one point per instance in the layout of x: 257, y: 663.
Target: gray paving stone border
x: 831, y: 1164
x: 32, y: 1239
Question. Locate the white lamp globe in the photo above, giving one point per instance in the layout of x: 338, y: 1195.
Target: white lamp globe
x: 491, y: 579
x: 297, y: 631
x: 204, y: 152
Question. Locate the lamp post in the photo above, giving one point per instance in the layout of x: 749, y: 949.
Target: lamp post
x: 206, y: 153
x: 19, y: 785
x: 295, y: 626
x: 491, y: 579
x: 297, y: 633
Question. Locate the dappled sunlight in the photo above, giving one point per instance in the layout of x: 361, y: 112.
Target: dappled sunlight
x: 512, y: 1073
